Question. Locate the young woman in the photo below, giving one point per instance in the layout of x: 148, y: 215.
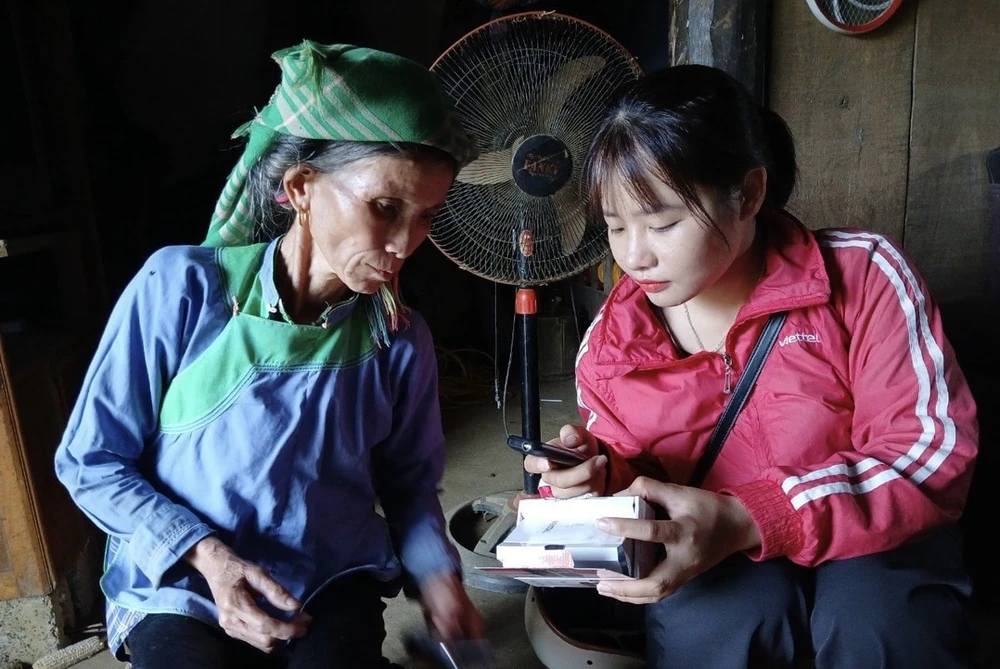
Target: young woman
x: 826, y: 528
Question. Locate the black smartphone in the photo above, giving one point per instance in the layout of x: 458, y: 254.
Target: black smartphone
x: 540, y: 449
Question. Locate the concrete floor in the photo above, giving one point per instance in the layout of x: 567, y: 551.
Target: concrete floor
x: 478, y: 463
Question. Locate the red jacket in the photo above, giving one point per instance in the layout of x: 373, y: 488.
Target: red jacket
x: 860, y: 433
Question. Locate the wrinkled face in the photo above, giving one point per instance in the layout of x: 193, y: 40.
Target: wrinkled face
x: 666, y: 249
x: 367, y: 218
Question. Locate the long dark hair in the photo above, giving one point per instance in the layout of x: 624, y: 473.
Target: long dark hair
x: 689, y: 126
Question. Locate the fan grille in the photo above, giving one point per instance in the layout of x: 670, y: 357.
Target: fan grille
x: 854, y: 13
x: 515, y: 79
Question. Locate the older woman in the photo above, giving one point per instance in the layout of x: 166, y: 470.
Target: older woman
x: 254, y: 399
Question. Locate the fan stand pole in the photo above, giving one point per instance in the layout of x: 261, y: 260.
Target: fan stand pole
x: 526, y: 306
x: 502, y: 507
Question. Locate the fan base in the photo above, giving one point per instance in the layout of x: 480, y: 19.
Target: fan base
x: 475, y: 528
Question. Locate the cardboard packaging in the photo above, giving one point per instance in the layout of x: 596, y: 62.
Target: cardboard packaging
x: 556, y: 543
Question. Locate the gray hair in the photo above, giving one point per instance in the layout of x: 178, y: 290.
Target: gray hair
x: 265, y: 183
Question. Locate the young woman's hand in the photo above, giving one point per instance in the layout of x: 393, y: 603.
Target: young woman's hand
x: 235, y: 585
x: 590, y: 476
x: 704, y: 529
x: 448, y: 609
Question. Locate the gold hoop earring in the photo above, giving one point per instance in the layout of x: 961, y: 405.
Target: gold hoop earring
x: 303, y: 217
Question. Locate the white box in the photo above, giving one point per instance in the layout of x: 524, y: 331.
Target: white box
x: 556, y: 543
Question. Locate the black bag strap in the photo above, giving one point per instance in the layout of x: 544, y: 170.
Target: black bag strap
x: 739, y: 397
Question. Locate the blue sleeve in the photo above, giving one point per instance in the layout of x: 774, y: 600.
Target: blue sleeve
x: 410, y: 464
x: 116, y: 414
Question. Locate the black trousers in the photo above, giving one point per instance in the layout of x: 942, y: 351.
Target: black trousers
x: 346, y: 632
x: 905, y: 608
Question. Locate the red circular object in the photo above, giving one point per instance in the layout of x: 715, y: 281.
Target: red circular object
x: 853, y: 17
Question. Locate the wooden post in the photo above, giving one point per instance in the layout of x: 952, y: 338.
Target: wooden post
x: 728, y: 34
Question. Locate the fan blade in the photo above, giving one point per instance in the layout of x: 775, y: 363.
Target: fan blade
x: 572, y: 219
x: 561, y: 85
x: 490, y: 168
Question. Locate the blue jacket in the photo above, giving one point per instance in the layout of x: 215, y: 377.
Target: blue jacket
x: 205, y: 412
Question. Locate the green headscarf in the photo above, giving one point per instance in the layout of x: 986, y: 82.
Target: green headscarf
x: 340, y: 92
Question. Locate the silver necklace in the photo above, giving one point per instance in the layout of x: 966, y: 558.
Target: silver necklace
x: 697, y: 339
x: 695, y: 333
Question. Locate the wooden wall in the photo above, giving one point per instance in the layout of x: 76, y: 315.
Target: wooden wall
x: 893, y: 128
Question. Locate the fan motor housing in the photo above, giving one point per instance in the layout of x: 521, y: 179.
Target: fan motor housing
x: 542, y: 165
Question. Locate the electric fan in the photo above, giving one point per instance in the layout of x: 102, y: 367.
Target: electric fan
x: 531, y: 89
x: 853, y: 17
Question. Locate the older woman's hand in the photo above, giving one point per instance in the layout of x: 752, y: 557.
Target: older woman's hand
x: 448, y: 610
x: 235, y: 584
x: 704, y: 529
x: 590, y: 476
